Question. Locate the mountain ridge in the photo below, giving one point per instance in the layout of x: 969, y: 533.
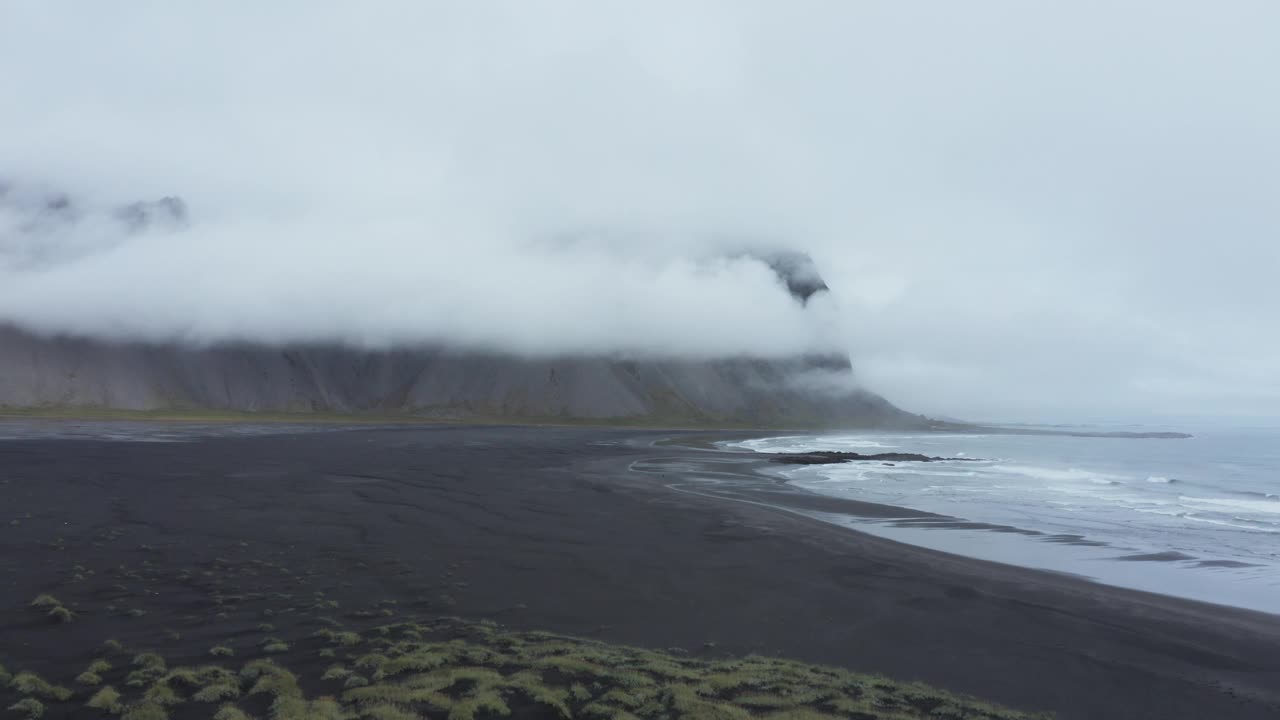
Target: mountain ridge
x: 68, y: 372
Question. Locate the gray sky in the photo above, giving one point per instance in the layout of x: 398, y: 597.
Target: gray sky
x: 1025, y: 210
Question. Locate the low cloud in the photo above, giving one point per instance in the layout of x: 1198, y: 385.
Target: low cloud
x: 1022, y: 210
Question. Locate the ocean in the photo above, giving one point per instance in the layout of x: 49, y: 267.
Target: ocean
x: 1196, y: 518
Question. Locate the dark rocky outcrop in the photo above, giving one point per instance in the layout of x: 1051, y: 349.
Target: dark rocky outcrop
x: 167, y: 213
x: 35, y: 211
x: 796, y: 270
x: 828, y: 457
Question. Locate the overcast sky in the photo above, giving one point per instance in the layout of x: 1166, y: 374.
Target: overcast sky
x: 1025, y: 210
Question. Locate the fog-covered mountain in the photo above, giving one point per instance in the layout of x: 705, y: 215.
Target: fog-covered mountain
x: 42, y: 367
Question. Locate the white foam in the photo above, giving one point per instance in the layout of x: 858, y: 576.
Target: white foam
x: 804, y: 443
x: 1266, y: 507
x: 1057, y: 474
x: 1224, y: 523
x: 1160, y: 479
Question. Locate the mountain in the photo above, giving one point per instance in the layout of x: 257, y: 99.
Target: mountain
x: 62, y: 372
x: 37, y: 372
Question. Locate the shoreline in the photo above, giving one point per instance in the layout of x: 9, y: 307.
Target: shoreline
x: 552, y: 529
x: 764, y: 483
x: 445, y: 417
x: 639, y: 422
x: 1088, y: 539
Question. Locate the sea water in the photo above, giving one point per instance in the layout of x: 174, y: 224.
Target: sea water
x: 1196, y: 518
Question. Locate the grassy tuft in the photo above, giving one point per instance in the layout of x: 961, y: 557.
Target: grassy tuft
x: 336, y: 672
x: 214, y: 693
x: 31, y: 707
x: 346, y: 638
x: 61, y: 614
x: 106, y: 699
x: 387, y: 712
x: 46, y: 602
x: 473, y: 671
x: 29, y: 683
x: 161, y: 694
x: 230, y: 712
x: 148, y: 660
x: 145, y: 711
x: 484, y: 703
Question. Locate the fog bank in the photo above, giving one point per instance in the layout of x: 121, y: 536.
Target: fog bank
x: 1023, y: 210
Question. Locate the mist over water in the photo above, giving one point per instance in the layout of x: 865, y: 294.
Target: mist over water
x: 1197, y: 518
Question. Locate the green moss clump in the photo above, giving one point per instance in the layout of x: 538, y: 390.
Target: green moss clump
x: 214, y: 693
x: 29, y: 683
x: 274, y: 645
x: 221, y: 651
x: 161, y: 694
x: 151, y: 667
x: 215, y: 675
x: 467, y: 671
x: 387, y: 712
x: 148, y: 660
x: 106, y: 699
x: 145, y: 711
x: 484, y: 702
x: 336, y: 672
x: 805, y: 714
x: 61, y: 614
x: 230, y: 712
x: 31, y: 706
x: 346, y: 638
x: 45, y: 602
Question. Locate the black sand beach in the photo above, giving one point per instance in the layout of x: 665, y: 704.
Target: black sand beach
x: 591, y: 532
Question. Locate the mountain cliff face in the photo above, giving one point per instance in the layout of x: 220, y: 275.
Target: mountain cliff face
x: 79, y: 373
x: 40, y: 371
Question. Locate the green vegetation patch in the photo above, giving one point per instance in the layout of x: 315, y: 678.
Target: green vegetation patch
x: 30, y: 707
x: 107, y: 699
x: 28, y: 683
x: 451, y: 669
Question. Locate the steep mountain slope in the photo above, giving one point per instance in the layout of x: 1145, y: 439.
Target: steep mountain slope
x: 79, y: 373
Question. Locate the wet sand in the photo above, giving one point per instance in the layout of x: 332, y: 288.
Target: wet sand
x: 610, y: 534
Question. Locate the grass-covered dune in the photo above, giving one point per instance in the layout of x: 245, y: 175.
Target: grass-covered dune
x: 450, y: 668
